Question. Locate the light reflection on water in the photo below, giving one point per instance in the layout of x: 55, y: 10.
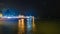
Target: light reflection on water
x: 42, y: 27
x: 23, y: 28
x: 34, y: 27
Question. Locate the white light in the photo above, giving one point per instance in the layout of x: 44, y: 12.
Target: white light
x: 28, y: 17
x: 8, y: 17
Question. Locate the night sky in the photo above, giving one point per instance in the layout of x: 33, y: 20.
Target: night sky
x: 41, y: 8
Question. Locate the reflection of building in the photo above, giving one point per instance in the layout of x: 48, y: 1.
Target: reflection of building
x: 29, y: 23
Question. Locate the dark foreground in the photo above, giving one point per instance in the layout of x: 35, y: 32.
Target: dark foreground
x: 39, y: 27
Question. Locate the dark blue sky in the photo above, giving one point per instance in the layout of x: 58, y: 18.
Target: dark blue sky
x: 42, y: 8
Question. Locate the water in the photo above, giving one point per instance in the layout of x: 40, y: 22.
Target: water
x: 18, y: 27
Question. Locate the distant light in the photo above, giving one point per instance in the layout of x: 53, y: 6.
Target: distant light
x: 8, y: 17
x: 1, y: 15
x: 27, y: 17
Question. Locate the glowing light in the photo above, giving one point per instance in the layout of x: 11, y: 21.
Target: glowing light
x: 29, y: 24
x: 22, y: 21
x: 33, y: 19
x: 1, y: 15
x: 27, y: 17
x: 21, y: 26
x: 33, y: 24
x: 8, y: 17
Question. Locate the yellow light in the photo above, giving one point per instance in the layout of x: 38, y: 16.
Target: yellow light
x: 22, y: 20
x: 33, y: 24
x: 21, y: 26
x: 1, y: 15
x: 33, y: 19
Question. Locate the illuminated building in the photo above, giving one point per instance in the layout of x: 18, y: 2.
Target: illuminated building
x: 30, y: 20
x: 14, y: 14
